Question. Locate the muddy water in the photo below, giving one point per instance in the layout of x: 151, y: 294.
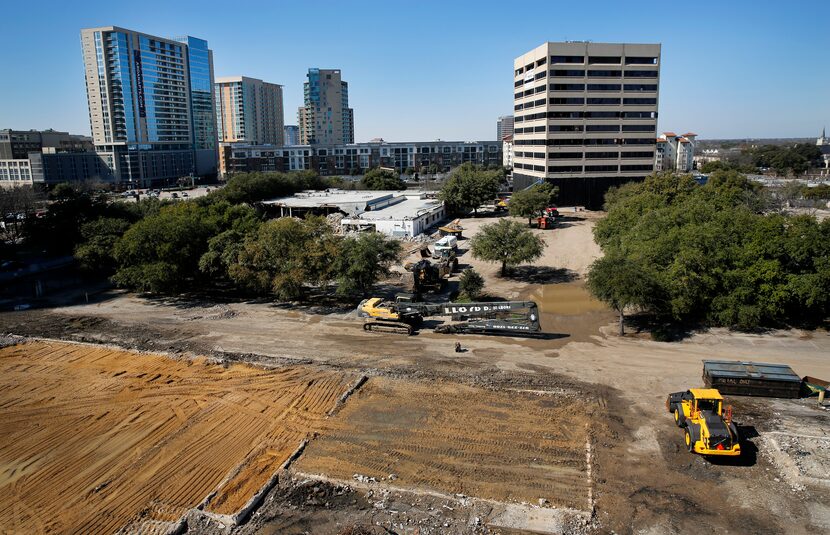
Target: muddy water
x: 568, y: 309
x: 567, y: 299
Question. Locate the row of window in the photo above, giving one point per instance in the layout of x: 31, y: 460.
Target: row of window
x: 580, y: 73
x: 583, y: 87
x: 587, y: 168
x: 585, y: 142
x: 588, y: 127
x: 587, y: 155
x: 592, y: 60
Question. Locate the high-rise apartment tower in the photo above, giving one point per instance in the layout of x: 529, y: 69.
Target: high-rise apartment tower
x: 151, y: 107
x: 504, y: 127
x: 248, y: 111
x: 585, y: 117
x: 326, y: 118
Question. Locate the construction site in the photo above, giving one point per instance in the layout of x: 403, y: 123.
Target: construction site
x: 522, y: 413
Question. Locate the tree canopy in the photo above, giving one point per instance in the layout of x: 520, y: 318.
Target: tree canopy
x: 382, y: 179
x: 716, y: 256
x: 531, y: 202
x: 469, y: 186
x: 507, y: 242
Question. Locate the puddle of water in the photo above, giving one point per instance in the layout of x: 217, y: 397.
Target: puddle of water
x: 567, y: 299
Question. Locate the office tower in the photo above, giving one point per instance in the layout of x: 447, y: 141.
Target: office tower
x: 292, y: 134
x: 326, y: 118
x: 585, y: 117
x: 504, y: 127
x: 151, y: 107
x: 249, y: 111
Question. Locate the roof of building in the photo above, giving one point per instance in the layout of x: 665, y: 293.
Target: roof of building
x: 311, y: 199
x: 669, y: 134
x: 408, y: 208
x: 689, y: 134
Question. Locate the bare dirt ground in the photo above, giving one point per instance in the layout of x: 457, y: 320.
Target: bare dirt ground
x: 642, y: 479
x: 459, y: 440
x: 95, y: 439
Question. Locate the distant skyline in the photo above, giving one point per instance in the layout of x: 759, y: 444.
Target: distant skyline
x: 444, y: 69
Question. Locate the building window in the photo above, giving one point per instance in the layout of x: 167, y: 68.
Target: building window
x: 564, y: 169
x: 604, y: 87
x: 567, y: 59
x: 639, y: 60
x: 600, y: 168
x: 604, y: 74
x: 606, y: 60
x: 640, y: 87
x: 567, y: 87
x: 567, y: 72
x: 568, y: 101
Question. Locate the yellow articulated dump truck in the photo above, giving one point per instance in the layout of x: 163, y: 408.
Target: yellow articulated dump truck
x: 709, y: 429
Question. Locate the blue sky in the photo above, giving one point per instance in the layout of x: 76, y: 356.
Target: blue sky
x: 443, y: 69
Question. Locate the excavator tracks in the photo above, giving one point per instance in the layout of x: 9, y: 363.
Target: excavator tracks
x: 388, y: 327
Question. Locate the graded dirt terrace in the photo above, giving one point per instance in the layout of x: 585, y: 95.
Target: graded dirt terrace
x: 95, y: 440
x: 455, y: 439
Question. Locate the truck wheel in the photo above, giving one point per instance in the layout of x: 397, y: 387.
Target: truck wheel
x: 679, y: 418
x: 690, y: 442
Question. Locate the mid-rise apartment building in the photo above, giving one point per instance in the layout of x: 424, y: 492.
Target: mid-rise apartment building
x: 355, y: 159
x: 248, y: 110
x: 325, y: 118
x: 151, y: 107
x: 504, y: 126
x: 292, y: 134
x: 585, y: 117
x: 675, y: 152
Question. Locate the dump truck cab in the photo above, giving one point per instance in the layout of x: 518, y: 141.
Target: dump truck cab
x: 709, y: 429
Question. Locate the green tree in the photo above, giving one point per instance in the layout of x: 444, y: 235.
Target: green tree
x: 363, y: 260
x: 507, y: 242
x: 531, y: 202
x: 382, y: 179
x: 95, y: 253
x: 470, y: 186
x: 254, y: 187
x: 471, y: 284
x: 272, y: 260
x: 621, y: 282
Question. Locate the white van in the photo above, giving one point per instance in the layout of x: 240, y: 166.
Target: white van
x: 447, y: 242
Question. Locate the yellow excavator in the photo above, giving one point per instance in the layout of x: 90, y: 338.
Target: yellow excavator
x: 403, y: 316
x: 709, y: 429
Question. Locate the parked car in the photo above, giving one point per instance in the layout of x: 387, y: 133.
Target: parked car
x: 174, y: 195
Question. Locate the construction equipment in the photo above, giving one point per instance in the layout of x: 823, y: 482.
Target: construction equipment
x: 545, y: 222
x: 709, y: 429
x: 453, y: 228
x: 425, y: 276
x: 743, y: 378
x: 403, y: 317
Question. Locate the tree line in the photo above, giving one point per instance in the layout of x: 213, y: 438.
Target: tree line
x: 712, y: 255
x: 785, y: 160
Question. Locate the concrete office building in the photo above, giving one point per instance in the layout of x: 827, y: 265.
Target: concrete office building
x: 17, y: 144
x: 585, y: 117
x: 355, y: 159
x: 504, y: 127
x: 325, y: 118
x: 292, y: 134
x: 151, y: 106
x: 248, y: 111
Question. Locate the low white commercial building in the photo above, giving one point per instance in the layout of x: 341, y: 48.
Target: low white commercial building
x: 400, y: 214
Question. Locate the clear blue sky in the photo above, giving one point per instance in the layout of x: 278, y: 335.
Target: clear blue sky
x: 443, y: 69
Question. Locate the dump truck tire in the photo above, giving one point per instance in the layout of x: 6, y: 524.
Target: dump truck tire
x: 679, y: 418
x: 690, y: 445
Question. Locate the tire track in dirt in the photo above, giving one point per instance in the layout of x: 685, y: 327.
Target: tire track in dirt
x: 452, y: 438
x: 95, y: 440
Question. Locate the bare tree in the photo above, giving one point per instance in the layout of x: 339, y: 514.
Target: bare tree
x: 17, y: 204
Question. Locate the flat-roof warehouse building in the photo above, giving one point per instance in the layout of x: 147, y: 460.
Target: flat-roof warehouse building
x: 400, y: 214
